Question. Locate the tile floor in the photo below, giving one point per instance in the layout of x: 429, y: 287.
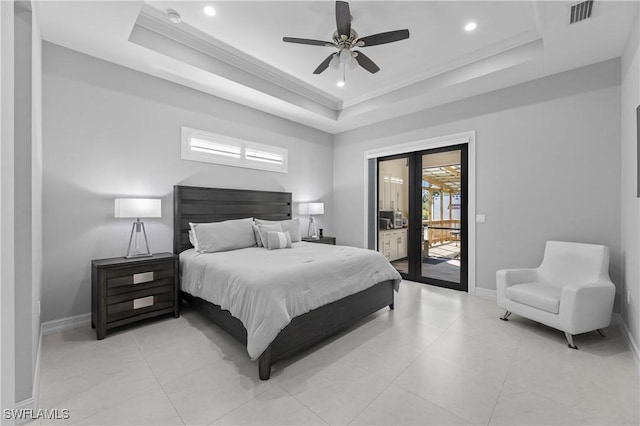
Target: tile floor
x: 441, y: 358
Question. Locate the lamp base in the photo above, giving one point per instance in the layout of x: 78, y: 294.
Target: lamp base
x: 312, y: 232
x: 135, y: 248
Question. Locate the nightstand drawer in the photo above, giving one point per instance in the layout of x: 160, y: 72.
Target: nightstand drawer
x: 131, y: 295
x: 139, y: 274
x: 112, y: 291
x: 139, y: 306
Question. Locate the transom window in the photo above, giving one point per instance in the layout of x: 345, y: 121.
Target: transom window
x: 199, y: 145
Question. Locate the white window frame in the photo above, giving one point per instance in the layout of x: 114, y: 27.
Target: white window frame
x: 239, y: 152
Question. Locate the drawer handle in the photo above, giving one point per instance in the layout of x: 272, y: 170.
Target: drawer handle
x: 143, y: 302
x: 143, y: 277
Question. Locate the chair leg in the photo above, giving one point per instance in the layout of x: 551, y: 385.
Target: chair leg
x: 506, y: 316
x: 570, y: 340
x: 600, y: 332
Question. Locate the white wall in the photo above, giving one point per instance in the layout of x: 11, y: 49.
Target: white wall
x: 112, y: 132
x: 548, y: 155
x: 630, y: 211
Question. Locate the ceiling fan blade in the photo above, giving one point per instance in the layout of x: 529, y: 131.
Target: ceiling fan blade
x: 343, y: 18
x: 325, y: 64
x: 366, y: 63
x: 383, y: 38
x: 307, y: 41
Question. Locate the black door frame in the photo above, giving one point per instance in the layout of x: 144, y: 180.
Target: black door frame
x: 414, y: 236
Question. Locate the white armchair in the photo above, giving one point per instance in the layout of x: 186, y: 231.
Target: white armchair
x: 570, y: 291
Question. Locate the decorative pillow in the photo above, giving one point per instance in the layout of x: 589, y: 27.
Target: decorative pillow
x: 278, y: 240
x: 256, y: 232
x: 292, y: 226
x: 224, y: 236
x: 264, y: 228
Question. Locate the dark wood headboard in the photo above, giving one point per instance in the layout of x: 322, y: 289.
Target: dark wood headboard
x: 201, y: 205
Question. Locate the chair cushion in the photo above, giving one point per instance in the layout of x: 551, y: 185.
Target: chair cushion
x: 545, y: 297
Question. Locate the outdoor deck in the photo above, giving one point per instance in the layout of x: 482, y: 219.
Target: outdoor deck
x: 442, y: 263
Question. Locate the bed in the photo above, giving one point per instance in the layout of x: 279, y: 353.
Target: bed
x: 202, y: 205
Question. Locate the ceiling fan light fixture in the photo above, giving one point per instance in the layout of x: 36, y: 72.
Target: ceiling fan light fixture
x: 174, y: 16
x: 209, y: 11
x: 352, y: 63
x: 340, y: 83
x: 345, y: 38
x: 470, y: 26
x: 345, y: 55
x: 335, y: 62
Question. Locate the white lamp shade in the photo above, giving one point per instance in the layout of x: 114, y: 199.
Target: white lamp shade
x: 311, y: 208
x: 138, y: 207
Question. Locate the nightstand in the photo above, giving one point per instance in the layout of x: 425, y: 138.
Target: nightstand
x: 323, y: 240
x: 124, y: 291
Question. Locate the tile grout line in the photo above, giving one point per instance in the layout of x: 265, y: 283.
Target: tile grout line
x: 253, y: 398
x: 505, y: 377
x: 419, y: 396
x: 157, y: 380
x: 303, y: 404
x: 399, y: 374
x: 403, y: 370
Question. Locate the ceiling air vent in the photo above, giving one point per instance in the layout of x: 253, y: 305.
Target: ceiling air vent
x: 580, y: 11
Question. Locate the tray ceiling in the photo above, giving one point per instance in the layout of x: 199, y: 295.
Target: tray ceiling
x: 238, y: 54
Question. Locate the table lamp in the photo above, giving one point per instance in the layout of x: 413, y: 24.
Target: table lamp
x: 312, y: 209
x: 137, y: 208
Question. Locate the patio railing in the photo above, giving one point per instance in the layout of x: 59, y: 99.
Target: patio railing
x: 440, y: 231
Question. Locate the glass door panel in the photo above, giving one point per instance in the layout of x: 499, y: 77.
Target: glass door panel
x: 442, y: 195
x: 393, y: 211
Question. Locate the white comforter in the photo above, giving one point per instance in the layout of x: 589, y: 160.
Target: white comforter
x: 265, y: 289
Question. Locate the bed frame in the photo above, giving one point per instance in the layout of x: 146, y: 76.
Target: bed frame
x: 196, y: 204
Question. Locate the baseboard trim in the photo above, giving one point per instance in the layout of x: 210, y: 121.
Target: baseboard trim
x: 486, y: 293
x: 25, y: 405
x: 64, y: 324
x: 617, y: 319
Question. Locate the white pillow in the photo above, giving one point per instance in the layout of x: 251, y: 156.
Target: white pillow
x: 264, y: 228
x: 192, y: 239
x: 278, y: 240
x: 291, y: 225
x: 223, y: 236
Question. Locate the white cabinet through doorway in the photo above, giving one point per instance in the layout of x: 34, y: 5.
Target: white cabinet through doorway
x: 393, y: 244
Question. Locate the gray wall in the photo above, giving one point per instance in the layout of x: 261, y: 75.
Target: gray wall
x: 113, y: 132
x: 36, y: 185
x: 23, y: 200
x: 548, y: 161
x: 630, y: 211
x: 7, y: 242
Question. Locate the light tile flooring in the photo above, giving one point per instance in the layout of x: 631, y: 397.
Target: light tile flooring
x: 442, y: 357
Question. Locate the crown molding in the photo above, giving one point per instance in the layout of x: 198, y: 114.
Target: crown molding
x: 155, y: 21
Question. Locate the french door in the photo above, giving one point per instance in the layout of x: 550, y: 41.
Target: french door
x: 422, y: 215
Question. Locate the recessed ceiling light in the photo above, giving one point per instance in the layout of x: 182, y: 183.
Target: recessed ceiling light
x: 174, y: 16
x: 340, y: 83
x: 209, y: 10
x: 470, y: 26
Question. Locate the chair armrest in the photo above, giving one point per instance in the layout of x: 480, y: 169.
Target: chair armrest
x: 509, y: 277
x: 586, y: 307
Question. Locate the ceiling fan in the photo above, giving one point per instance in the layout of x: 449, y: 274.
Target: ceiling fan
x: 345, y: 39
